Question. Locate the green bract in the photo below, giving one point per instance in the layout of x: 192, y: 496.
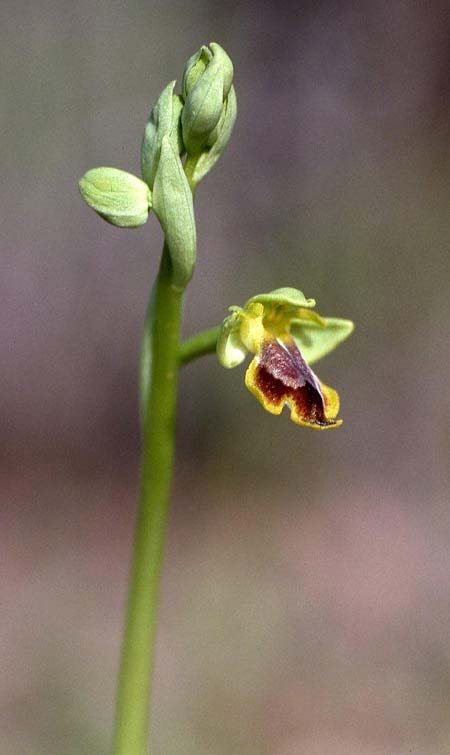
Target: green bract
x: 206, y: 87
x: 119, y: 197
x: 164, y: 120
x: 172, y: 203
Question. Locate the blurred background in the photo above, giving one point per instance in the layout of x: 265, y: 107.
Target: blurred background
x: 306, y: 591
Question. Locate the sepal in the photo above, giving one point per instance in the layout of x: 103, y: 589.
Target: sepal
x: 223, y: 61
x: 202, y: 111
x: 289, y: 298
x: 117, y: 196
x: 195, y: 68
x: 316, y: 341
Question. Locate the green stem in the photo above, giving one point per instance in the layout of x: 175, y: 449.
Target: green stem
x: 198, y: 346
x: 161, y: 338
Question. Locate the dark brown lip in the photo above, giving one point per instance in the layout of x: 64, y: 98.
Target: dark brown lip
x: 282, y: 374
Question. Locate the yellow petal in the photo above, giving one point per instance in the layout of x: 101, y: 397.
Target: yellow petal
x: 252, y: 331
x: 331, y: 401
x: 331, y: 410
x: 270, y: 401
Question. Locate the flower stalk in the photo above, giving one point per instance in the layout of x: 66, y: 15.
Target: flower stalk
x: 159, y: 404
x: 198, y: 346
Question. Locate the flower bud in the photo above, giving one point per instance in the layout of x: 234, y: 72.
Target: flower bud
x: 164, y: 120
x: 218, y: 139
x: 207, y: 81
x: 118, y: 197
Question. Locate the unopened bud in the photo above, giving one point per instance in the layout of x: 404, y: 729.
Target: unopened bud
x: 207, y: 82
x: 219, y: 139
x: 119, y: 197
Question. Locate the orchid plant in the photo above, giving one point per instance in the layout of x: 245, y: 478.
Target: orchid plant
x: 184, y: 137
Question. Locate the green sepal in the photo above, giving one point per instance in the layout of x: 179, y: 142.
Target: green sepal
x: 284, y: 297
x: 202, y: 110
x: 164, y: 120
x: 173, y: 205
x: 230, y: 349
x: 194, y: 68
x: 316, y: 341
x: 219, y: 139
x: 117, y: 196
x: 223, y: 61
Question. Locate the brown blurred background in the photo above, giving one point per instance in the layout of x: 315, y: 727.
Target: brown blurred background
x: 306, y: 592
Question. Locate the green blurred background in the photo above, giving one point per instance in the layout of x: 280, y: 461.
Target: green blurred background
x: 306, y: 592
